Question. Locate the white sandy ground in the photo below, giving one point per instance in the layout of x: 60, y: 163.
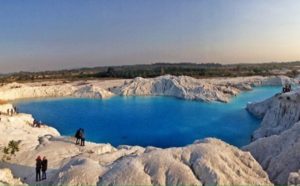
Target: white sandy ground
x: 209, y: 161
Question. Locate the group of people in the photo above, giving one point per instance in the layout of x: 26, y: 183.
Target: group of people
x: 10, y: 112
x: 79, y: 135
x: 42, y: 164
x: 41, y: 167
x: 287, y: 88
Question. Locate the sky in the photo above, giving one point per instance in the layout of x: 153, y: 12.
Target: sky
x: 40, y: 35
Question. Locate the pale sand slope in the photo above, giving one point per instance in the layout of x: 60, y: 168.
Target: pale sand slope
x: 86, y: 89
x: 210, y: 161
x: 277, y: 145
x: 216, y: 89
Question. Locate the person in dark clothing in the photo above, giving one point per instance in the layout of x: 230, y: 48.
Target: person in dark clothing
x: 77, y: 136
x: 44, y: 168
x: 39, y: 124
x: 82, y: 137
x: 290, y: 87
x: 283, y: 89
x: 38, y: 167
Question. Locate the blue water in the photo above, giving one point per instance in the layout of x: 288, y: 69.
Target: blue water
x: 155, y: 121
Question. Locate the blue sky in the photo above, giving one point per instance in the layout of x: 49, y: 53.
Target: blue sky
x: 59, y: 34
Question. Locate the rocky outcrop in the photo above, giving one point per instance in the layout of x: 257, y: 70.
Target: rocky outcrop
x: 208, y: 162
x: 294, y: 178
x: 6, y: 178
x: 278, y: 154
x: 277, y: 141
x: 279, y: 113
x: 92, y: 92
x: 181, y: 87
x: 20, y: 128
x: 78, y: 171
x: 185, y: 87
x: 277, y: 80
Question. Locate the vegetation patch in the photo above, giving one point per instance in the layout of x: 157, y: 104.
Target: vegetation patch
x: 11, y: 149
x: 196, y: 70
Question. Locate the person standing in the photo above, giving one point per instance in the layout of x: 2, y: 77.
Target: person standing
x: 44, y: 167
x: 77, y: 136
x: 15, y: 109
x: 38, y: 167
x: 82, y: 137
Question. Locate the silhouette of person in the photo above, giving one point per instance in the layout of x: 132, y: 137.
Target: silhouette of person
x: 77, y: 136
x: 82, y: 137
x: 38, y: 167
x: 44, y: 167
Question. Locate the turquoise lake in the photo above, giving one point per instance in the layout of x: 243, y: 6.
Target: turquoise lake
x: 151, y: 121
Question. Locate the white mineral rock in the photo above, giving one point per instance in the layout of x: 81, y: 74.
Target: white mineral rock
x: 279, y: 113
x: 185, y: 87
x: 209, y: 162
x: 278, y: 154
x: 277, y: 140
x: 6, y: 178
x: 294, y: 178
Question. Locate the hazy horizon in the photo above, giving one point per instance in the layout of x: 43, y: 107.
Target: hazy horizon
x: 65, y: 34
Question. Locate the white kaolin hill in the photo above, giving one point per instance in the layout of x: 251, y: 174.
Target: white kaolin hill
x: 278, y: 154
x: 183, y: 87
x: 279, y: 113
x: 209, y: 162
x: 277, y: 141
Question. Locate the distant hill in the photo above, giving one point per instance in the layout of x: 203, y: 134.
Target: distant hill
x: 198, y: 70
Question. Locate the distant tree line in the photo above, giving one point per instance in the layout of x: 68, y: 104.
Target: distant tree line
x: 204, y: 70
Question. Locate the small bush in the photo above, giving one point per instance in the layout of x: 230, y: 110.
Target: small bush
x: 11, y: 149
